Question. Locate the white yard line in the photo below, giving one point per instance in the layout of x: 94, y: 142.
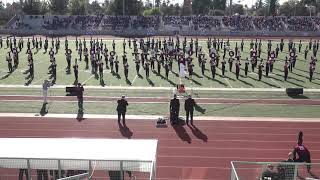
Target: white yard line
x: 228, y: 82
x: 44, y: 77
x: 88, y: 79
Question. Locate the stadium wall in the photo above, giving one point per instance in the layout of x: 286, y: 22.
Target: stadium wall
x: 146, y: 33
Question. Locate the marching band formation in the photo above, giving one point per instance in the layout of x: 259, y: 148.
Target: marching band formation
x: 155, y: 54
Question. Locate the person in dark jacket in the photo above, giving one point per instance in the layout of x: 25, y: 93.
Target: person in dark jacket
x: 174, y: 109
x: 122, y: 109
x: 189, y: 107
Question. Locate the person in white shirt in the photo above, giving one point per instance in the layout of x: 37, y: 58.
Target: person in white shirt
x: 46, y: 84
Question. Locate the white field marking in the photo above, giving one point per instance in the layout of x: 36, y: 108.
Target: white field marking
x: 155, y: 117
x: 228, y: 82
x: 25, y: 69
x: 136, y: 76
x: 159, y: 88
x: 276, y: 83
x: 44, y: 77
x: 88, y: 79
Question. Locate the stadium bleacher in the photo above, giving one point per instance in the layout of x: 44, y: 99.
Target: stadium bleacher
x: 102, y: 22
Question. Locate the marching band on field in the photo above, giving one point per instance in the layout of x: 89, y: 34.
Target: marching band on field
x: 151, y: 54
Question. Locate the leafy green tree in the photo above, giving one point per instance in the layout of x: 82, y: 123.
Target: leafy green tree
x: 201, y: 7
x: 31, y: 6
x: 236, y: 9
x: 219, y: 4
x: 131, y: 7
x: 78, y: 7
x: 58, y: 6
x: 293, y: 8
x: 158, y: 3
x: 152, y: 12
x: 186, y: 8
x: 272, y: 7
x: 95, y: 8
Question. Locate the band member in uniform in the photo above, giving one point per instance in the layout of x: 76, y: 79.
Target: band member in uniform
x: 306, y: 53
x: 68, y: 58
x: 167, y: 69
x: 9, y: 60
x: 301, y: 153
x: 189, y: 108
x: 238, y: 68
x: 286, y: 70
x: 246, y: 67
x: 203, y: 66
x: 260, y: 68
x: 116, y: 64
x: 223, y: 66
x: 146, y: 67
x: 126, y: 70
x: 267, y: 68
x: 213, y: 68
x: 122, y: 109
x: 31, y: 68
x: 100, y: 67
x: 137, y: 61
x: 312, y: 67
x: 86, y: 58
x: 76, y: 70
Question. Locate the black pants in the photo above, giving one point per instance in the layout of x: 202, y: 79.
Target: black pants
x: 188, y: 112
x: 174, y: 115
x: 22, y: 172
x: 42, y: 174
x: 123, y: 114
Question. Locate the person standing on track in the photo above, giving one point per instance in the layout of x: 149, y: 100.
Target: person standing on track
x: 174, y: 109
x: 122, y: 109
x: 189, y: 107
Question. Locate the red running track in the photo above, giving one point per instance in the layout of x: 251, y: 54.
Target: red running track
x: 201, y: 152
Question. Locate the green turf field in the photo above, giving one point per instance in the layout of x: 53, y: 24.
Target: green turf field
x: 299, y: 77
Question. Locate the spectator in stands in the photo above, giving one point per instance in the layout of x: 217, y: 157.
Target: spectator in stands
x: 122, y: 109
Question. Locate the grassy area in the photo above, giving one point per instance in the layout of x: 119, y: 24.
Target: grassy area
x: 296, y: 79
x: 241, y: 110
x: 160, y: 93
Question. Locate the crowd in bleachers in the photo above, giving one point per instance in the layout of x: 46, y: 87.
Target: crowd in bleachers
x: 301, y: 24
x: 240, y: 23
x: 236, y: 23
x: 269, y: 23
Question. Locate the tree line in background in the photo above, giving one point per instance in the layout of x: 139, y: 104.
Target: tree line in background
x: 160, y: 7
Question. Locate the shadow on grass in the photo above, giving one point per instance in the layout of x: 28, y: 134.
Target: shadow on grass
x: 199, y: 109
x: 6, y: 76
x: 150, y: 82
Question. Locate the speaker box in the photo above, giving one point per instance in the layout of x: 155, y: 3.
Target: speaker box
x: 294, y: 91
x: 72, y: 91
